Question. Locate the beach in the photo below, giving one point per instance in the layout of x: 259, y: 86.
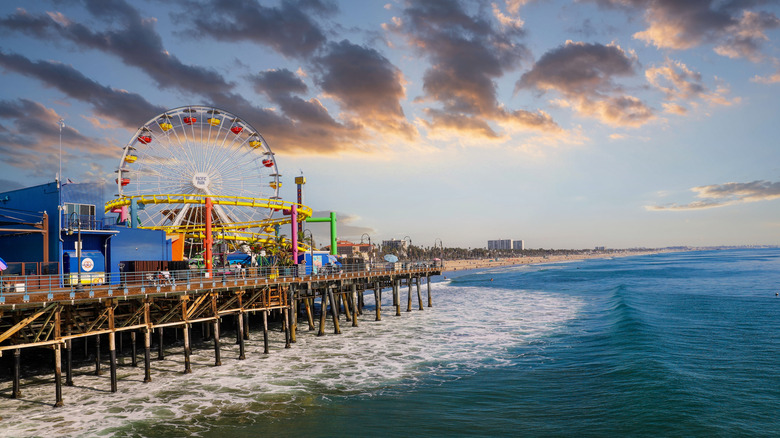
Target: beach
x: 464, y: 264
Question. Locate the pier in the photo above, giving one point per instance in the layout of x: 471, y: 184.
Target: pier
x: 37, y: 314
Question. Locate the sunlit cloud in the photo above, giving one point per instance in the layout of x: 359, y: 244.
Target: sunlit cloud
x: 721, y: 195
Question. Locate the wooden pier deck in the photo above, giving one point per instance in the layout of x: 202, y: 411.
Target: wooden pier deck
x: 56, y: 317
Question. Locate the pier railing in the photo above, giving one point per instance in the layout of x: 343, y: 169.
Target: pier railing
x: 20, y: 289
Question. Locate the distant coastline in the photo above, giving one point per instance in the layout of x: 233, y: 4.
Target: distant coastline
x: 465, y: 264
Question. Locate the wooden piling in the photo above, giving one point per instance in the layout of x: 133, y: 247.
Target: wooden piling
x: 240, y: 335
x: 265, y: 331
x: 15, y: 391
x: 354, y: 305
x: 69, y: 363
x: 309, y: 316
x: 286, y: 323
x: 378, y: 300
x: 334, y: 312
x: 409, y: 301
x: 323, y: 311
x: 147, y: 342
x: 147, y: 355
x: 58, y: 375
x: 396, y: 296
x: 419, y: 294
x: 160, y: 349
x: 111, y: 344
x: 187, y: 366
x: 246, y: 326
x: 428, y: 281
x: 98, y: 372
x: 293, y: 315
x: 217, y: 356
x: 133, y: 349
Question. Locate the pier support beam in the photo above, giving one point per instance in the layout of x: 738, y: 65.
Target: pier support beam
x: 409, y: 301
x: 378, y: 300
x: 58, y: 375
x: 112, y: 356
x: 419, y: 294
x: 147, y: 342
x: 160, y: 349
x: 323, y: 311
x: 334, y: 312
x: 246, y: 326
x: 240, y: 335
x: 133, y: 349
x: 396, y: 296
x: 186, y: 334
x: 428, y: 281
x: 309, y: 317
x: 69, y: 363
x: 265, y: 331
x: 15, y: 391
x: 286, y: 323
x: 97, y: 356
x: 217, y: 356
x: 147, y: 354
x: 354, y: 305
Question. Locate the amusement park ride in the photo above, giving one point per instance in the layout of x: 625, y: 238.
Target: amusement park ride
x: 197, y: 171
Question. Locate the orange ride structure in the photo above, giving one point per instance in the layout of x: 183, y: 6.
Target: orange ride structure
x: 198, y: 171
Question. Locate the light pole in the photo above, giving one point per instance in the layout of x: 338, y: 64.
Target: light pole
x: 441, y: 254
x: 370, y: 248
x: 410, y: 246
x: 78, y: 248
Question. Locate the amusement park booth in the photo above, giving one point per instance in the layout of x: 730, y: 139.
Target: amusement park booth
x: 63, y: 217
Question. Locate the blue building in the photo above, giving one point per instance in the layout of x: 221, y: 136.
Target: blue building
x: 42, y: 227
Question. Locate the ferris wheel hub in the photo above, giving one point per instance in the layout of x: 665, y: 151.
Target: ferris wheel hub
x: 201, y: 180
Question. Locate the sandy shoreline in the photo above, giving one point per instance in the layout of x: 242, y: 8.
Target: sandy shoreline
x: 460, y: 265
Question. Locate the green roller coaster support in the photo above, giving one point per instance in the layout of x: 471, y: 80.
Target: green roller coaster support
x: 332, y: 220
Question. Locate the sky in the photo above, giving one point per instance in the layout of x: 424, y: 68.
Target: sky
x: 567, y: 124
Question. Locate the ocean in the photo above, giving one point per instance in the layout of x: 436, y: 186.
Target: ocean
x: 671, y: 344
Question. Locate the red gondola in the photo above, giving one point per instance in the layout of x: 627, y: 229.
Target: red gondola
x: 145, y: 139
x: 125, y: 181
x: 190, y: 120
x: 236, y: 129
x: 268, y: 163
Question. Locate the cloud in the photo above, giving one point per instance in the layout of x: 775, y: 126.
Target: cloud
x: 585, y: 73
x: 733, y: 29
x: 29, y: 138
x: 468, y: 53
x: 135, y: 41
x: 129, y: 109
x: 288, y: 29
x: 366, y: 85
x: 721, y: 195
x: 681, y: 85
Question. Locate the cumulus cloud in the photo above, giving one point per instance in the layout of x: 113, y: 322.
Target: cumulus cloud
x: 732, y: 27
x: 681, y: 85
x: 468, y: 53
x: 129, y: 109
x: 584, y: 74
x: 30, y: 133
x: 721, y: 195
x: 288, y: 28
x: 366, y: 85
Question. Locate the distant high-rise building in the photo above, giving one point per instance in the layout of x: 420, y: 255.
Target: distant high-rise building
x: 394, y: 243
x: 518, y: 244
x: 500, y: 244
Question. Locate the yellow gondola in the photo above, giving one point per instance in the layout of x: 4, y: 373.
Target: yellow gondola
x: 275, y: 184
x: 165, y: 126
x: 213, y: 121
x: 131, y: 158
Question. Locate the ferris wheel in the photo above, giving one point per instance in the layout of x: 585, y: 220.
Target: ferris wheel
x: 194, y: 152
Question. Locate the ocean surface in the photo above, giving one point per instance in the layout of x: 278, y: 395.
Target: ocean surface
x: 675, y: 344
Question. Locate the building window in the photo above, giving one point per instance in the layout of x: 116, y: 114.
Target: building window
x: 84, y: 213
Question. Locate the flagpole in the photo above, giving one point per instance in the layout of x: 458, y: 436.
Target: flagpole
x: 59, y: 176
